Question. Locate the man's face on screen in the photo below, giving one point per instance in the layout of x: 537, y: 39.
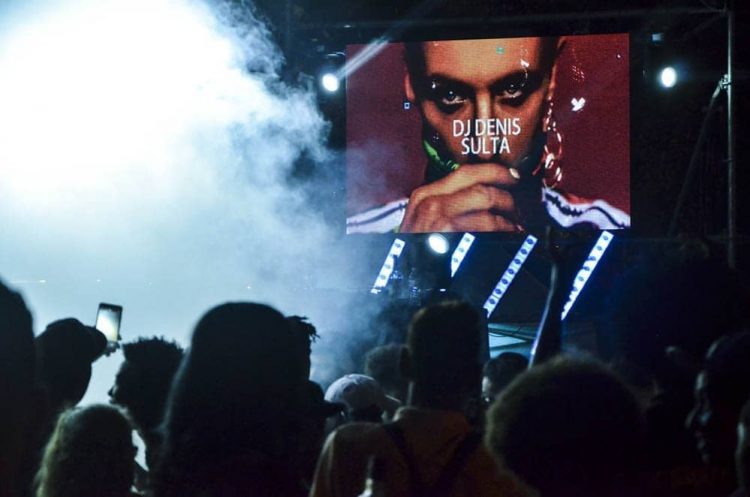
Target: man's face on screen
x: 483, y: 98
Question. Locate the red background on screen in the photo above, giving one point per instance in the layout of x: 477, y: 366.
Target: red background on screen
x: 385, y: 160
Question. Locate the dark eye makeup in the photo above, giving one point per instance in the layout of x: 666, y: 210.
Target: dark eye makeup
x: 450, y: 95
x: 447, y: 94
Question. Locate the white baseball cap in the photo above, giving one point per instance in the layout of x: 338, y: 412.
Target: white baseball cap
x: 358, y: 391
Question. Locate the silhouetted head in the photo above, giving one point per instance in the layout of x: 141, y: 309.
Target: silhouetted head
x: 568, y: 428
x: 145, y: 377
x: 90, y: 454
x: 721, y: 389
x: 384, y: 365
x: 246, y: 348
x: 236, y: 396
x: 65, y: 351
x: 16, y: 377
x: 304, y: 334
x: 442, y: 355
x: 500, y: 371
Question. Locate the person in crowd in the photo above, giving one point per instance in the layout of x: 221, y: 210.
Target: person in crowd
x: 90, y: 454
x: 363, y: 398
x: 383, y: 364
x: 17, y: 363
x: 663, y: 317
x: 316, y: 410
x: 721, y: 389
x: 500, y: 371
x: 430, y: 448
x: 65, y: 351
x: 568, y: 428
x: 233, y: 418
x: 742, y: 453
x: 142, y: 386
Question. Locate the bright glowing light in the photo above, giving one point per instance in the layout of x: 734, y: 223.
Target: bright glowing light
x: 458, y: 255
x: 507, y: 278
x: 438, y: 243
x: 330, y: 82
x: 387, y: 269
x: 588, y: 267
x: 668, y: 77
x: 91, y: 110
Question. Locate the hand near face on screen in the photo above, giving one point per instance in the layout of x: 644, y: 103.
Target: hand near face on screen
x: 481, y: 103
x: 474, y: 197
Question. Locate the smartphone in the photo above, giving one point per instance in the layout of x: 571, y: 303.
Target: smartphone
x: 108, y: 319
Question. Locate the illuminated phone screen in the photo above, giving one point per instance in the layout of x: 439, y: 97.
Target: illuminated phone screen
x: 108, y: 321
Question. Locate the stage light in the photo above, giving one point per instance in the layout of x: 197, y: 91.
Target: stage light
x: 387, y: 269
x: 438, y: 243
x: 588, y: 267
x: 330, y: 82
x: 668, y: 77
x: 458, y: 255
x: 507, y: 278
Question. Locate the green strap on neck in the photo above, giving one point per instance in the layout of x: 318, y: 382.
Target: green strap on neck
x: 437, y: 167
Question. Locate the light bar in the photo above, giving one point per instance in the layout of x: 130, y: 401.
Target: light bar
x: 458, y: 255
x: 509, y: 274
x: 588, y: 267
x: 390, y: 261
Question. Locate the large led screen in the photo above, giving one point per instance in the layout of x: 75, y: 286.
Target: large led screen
x: 490, y: 135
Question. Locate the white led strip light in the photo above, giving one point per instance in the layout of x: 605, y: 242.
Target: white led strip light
x: 390, y: 261
x: 509, y: 274
x: 458, y: 255
x: 588, y: 267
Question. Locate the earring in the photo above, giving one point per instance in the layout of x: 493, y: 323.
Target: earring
x: 550, y: 165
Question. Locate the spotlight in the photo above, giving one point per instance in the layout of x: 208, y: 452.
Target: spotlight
x: 668, y: 77
x: 330, y: 82
x: 438, y: 243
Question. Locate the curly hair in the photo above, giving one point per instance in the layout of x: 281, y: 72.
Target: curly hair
x: 157, y: 361
x: 90, y: 454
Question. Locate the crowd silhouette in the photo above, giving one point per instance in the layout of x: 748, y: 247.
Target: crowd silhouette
x: 660, y: 407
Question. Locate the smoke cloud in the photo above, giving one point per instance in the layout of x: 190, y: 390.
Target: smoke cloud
x: 145, y: 151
